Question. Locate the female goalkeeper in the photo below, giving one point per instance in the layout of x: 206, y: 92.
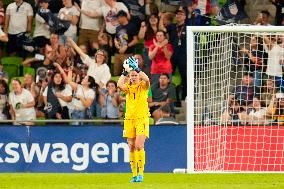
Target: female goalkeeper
x: 136, y: 122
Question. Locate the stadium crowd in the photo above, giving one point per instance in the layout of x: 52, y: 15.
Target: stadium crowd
x: 73, y: 71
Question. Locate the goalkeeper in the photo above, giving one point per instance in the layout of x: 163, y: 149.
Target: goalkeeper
x: 136, y: 122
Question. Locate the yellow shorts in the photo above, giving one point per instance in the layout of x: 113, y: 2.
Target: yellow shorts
x: 134, y: 127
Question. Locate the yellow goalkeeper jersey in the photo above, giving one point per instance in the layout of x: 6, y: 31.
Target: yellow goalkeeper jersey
x: 136, y: 100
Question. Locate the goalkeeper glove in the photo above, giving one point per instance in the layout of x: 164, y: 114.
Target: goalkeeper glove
x: 133, y: 63
x: 137, y: 70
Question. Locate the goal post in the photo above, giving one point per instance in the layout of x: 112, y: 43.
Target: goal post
x: 217, y: 66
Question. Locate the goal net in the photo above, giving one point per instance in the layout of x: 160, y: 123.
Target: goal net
x: 237, y: 98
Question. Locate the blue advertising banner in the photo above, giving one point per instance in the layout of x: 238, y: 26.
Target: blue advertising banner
x: 87, y: 149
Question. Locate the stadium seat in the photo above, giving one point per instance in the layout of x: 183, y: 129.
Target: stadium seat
x: 12, y: 60
x: 28, y: 70
x: 151, y: 121
x: 176, y: 78
x: 12, y: 70
x: 115, y: 78
x: 10, y: 84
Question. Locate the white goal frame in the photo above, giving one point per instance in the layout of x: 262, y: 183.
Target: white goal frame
x: 190, y: 77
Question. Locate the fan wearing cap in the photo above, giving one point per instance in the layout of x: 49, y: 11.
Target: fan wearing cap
x: 136, y: 121
x: 126, y: 38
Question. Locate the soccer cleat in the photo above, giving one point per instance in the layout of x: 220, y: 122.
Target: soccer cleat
x: 139, y: 178
x: 134, y: 179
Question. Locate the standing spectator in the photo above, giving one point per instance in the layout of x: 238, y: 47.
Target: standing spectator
x: 149, y: 8
x: 160, y: 53
x: 4, y: 105
x: 98, y: 68
x: 109, y: 101
x: 279, y: 4
x: 56, y: 97
x: 135, y: 10
x: 263, y: 18
x: 41, y: 32
x: 274, y: 46
x: 89, y: 25
x: 18, y: 20
x: 125, y: 41
x: 255, y: 60
x: 148, y: 32
x: 2, y: 19
x: 70, y: 13
x: 22, y: 104
x: 55, y: 52
x: 163, y: 93
x: 109, y: 12
x: 177, y: 38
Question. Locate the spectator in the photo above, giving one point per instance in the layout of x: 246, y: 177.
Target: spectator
x: 2, y: 19
x: 255, y: 60
x: 4, y: 105
x: 98, y: 68
x: 55, y: 6
x: 135, y: 10
x: 56, y: 97
x: 41, y: 32
x: 125, y: 41
x: 257, y: 114
x: 149, y: 8
x: 274, y: 46
x: 141, y: 64
x: 109, y: 101
x: 70, y: 13
x: 246, y: 92
x: 263, y: 18
x: 22, y: 104
x: 169, y: 5
x: 105, y: 43
x: 109, y: 12
x: 165, y: 116
x: 18, y: 20
x: 148, y: 32
x: 177, y: 38
x: 279, y: 4
x: 3, y: 74
x: 160, y: 53
x: 194, y: 17
x: 267, y: 92
x: 231, y: 115
x: 30, y: 85
x: 55, y: 52
x: 277, y: 110
x: 163, y: 93
x: 89, y: 25
x: 83, y: 97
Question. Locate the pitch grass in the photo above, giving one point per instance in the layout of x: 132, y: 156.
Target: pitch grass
x: 152, y: 181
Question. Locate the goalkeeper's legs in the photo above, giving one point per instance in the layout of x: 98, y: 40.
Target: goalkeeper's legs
x: 133, y: 162
x: 140, y: 155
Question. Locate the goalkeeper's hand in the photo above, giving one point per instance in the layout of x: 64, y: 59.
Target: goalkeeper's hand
x: 133, y: 63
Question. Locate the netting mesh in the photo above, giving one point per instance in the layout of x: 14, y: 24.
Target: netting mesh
x: 239, y: 104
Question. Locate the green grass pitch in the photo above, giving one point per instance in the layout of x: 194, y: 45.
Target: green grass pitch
x: 152, y: 181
